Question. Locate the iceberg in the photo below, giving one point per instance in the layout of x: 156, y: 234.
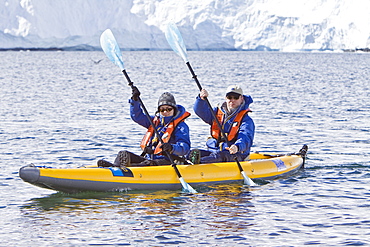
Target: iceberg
x: 283, y: 25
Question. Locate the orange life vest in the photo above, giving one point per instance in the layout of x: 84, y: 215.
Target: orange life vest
x: 166, y: 135
x: 216, y: 132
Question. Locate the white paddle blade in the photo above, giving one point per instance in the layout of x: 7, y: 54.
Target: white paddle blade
x: 111, y: 49
x: 247, y: 180
x: 186, y: 187
x: 175, y: 40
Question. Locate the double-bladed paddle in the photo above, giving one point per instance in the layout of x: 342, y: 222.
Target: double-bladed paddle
x: 113, y: 52
x: 177, y: 44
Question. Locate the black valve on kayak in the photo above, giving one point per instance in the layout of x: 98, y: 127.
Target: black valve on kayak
x: 303, y: 151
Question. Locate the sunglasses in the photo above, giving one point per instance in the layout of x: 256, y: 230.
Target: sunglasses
x: 233, y: 97
x: 168, y: 109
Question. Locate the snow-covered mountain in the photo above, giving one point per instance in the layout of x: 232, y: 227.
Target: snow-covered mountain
x: 285, y: 25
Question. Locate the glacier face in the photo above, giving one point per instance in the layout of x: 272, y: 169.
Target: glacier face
x: 286, y: 25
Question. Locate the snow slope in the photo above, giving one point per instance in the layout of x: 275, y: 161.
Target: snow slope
x: 286, y: 25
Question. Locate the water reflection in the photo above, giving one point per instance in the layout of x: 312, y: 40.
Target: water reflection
x: 221, y: 207
x: 219, y: 195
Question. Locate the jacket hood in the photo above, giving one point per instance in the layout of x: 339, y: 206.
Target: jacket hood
x: 248, y: 100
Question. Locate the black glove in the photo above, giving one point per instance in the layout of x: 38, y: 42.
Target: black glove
x: 135, y: 93
x: 222, y: 139
x: 167, y: 147
x: 148, y: 150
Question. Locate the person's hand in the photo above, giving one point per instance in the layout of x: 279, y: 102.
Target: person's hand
x: 148, y: 150
x: 233, y: 149
x: 167, y: 147
x: 135, y: 93
x: 203, y: 94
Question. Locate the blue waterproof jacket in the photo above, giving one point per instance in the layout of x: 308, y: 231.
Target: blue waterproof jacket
x: 180, y: 138
x: 245, y: 136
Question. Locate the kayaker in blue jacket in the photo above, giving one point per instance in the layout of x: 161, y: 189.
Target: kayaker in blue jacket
x: 170, y: 123
x: 236, y: 124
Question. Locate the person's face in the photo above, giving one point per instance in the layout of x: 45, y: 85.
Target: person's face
x: 166, y: 110
x: 234, y: 100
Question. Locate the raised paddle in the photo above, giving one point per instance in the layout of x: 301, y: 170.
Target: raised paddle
x: 113, y: 52
x: 177, y: 44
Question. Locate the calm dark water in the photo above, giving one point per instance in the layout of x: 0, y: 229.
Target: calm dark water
x: 62, y: 109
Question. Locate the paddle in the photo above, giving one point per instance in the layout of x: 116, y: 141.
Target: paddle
x: 113, y: 52
x: 177, y: 44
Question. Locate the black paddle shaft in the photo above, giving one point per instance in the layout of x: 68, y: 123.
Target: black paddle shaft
x: 209, y: 104
x: 213, y: 114
x: 131, y: 84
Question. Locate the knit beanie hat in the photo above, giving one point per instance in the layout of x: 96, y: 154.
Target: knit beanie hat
x: 167, y: 99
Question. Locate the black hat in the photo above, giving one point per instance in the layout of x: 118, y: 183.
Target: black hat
x: 167, y: 99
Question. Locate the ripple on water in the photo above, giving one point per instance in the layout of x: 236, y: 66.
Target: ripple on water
x: 64, y: 110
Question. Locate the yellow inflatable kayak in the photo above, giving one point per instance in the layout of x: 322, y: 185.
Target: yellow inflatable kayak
x: 93, y: 178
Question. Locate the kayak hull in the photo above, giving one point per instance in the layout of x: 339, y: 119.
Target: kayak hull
x: 93, y: 178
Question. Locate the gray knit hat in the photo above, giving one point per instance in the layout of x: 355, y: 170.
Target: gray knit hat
x: 167, y: 99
